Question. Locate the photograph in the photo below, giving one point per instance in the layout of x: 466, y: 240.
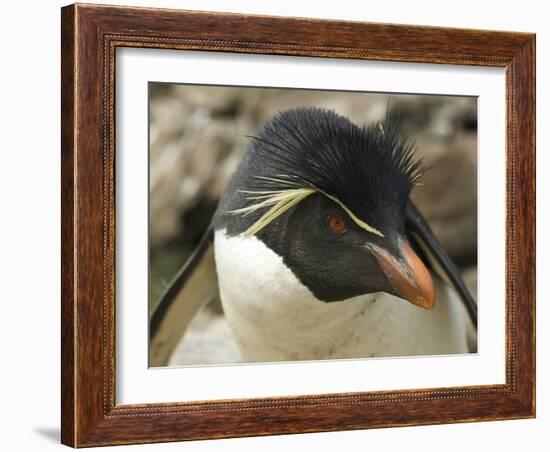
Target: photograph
x: 299, y: 225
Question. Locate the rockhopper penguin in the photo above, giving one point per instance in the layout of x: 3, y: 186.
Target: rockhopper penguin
x: 319, y: 252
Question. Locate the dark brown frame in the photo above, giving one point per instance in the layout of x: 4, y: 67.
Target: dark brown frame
x: 90, y: 36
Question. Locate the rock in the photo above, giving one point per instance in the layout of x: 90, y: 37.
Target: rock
x: 447, y: 194
x: 208, y: 340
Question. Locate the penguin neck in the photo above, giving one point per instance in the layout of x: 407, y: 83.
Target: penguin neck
x: 275, y: 317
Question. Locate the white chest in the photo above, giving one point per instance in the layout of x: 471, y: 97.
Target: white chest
x: 274, y: 317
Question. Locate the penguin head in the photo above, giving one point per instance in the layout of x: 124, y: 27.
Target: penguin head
x: 330, y: 198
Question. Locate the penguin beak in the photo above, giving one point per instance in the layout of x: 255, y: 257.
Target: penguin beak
x: 407, y: 274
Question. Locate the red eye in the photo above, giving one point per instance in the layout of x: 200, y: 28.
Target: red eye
x: 337, y: 224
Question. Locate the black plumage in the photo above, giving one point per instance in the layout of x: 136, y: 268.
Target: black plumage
x: 370, y: 169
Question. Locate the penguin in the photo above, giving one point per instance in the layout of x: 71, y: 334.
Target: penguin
x: 319, y: 253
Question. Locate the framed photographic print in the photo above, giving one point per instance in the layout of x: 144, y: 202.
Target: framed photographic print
x: 282, y: 225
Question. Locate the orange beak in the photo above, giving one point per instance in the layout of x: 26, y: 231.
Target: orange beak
x: 408, y: 275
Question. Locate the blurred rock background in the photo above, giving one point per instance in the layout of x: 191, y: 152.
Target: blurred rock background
x: 198, y: 135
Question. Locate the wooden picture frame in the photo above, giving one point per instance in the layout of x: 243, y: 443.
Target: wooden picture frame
x: 90, y: 37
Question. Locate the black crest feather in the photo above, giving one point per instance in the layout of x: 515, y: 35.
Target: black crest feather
x: 370, y: 169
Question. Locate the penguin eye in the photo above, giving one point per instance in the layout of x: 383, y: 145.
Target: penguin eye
x: 336, y: 224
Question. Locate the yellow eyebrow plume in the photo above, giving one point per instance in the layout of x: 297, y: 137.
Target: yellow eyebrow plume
x: 358, y: 221
x: 279, y: 201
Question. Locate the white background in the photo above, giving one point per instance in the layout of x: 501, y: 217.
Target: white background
x: 30, y: 243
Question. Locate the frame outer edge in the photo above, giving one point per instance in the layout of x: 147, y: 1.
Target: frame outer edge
x: 525, y: 200
x: 533, y: 56
x: 68, y: 298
